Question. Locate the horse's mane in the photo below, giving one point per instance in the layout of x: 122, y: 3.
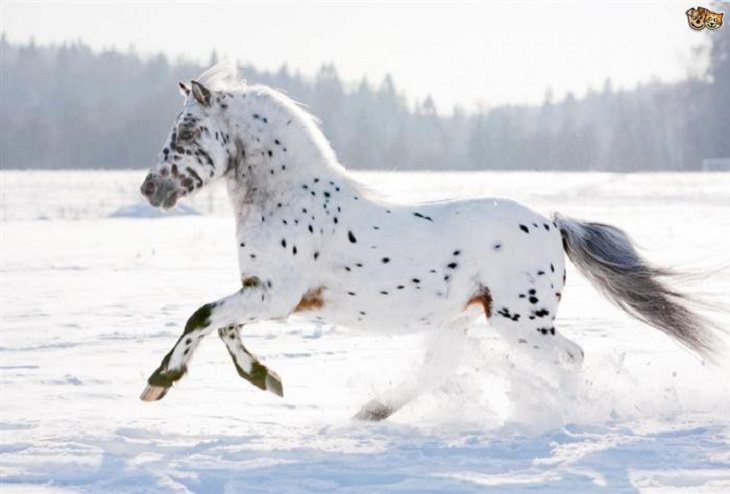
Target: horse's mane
x: 225, y: 76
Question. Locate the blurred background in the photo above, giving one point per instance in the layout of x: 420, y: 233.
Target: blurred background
x: 619, y: 86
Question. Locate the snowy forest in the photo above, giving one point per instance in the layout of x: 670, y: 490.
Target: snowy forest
x: 71, y: 107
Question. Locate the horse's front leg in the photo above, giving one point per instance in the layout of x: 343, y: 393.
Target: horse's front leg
x: 247, y: 365
x: 252, y: 303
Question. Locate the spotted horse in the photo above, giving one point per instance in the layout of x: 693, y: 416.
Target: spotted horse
x: 311, y: 240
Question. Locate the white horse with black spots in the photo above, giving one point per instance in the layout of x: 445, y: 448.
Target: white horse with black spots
x: 310, y: 239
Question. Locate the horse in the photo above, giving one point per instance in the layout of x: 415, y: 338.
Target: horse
x: 312, y: 241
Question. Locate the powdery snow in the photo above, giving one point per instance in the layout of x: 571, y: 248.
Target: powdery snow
x: 90, y: 304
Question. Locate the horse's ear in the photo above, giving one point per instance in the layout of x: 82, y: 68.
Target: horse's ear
x: 201, y: 93
x: 184, y: 89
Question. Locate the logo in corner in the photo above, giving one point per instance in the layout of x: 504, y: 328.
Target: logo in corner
x: 700, y: 18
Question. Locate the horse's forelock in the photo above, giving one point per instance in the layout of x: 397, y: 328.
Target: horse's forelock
x: 223, y: 76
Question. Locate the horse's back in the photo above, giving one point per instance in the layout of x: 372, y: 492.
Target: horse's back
x: 509, y: 245
x: 421, y: 264
x: 497, y: 231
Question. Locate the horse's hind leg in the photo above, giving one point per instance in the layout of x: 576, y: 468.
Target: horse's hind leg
x: 247, y: 365
x: 442, y: 357
x: 543, y: 343
x: 537, y: 336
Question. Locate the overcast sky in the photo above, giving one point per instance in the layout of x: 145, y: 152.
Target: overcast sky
x: 467, y: 53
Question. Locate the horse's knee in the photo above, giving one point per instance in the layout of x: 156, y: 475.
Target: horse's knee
x: 228, y: 333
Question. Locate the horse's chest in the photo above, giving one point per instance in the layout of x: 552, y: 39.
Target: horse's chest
x: 261, y: 248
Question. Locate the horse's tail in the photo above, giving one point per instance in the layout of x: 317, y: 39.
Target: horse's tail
x: 606, y: 256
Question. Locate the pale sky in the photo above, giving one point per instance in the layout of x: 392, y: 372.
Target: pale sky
x: 471, y: 54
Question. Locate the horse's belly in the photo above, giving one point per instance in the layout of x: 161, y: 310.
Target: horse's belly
x: 402, y: 315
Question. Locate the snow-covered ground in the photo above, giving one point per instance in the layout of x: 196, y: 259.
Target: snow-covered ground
x: 90, y: 304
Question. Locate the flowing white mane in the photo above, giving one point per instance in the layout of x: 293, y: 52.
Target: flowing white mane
x: 310, y: 140
x: 223, y: 76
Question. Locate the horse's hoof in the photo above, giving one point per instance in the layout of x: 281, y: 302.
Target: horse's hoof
x: 273, y: 383
x: 153, y: 393
x: 374, y: 411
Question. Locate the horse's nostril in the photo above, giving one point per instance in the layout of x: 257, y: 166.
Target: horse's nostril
x: 148, y: 188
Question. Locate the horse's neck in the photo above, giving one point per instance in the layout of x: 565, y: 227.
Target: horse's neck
x: 283, y: 159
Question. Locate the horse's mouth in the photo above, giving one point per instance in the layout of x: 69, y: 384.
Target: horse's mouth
x: 166, y: 202
x: 160, y: 192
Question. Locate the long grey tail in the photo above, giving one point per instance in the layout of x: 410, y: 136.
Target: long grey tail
x: 606, y: 256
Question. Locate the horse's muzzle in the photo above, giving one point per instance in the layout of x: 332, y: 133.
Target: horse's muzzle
x: 159, y: 191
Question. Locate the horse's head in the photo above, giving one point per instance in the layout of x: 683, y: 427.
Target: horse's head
x: 196, y: 152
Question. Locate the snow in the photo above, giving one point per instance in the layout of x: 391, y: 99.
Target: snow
x: 91, y: 303
x: 145, y: 210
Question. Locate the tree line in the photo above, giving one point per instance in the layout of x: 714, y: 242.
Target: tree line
x: 67, y: 106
